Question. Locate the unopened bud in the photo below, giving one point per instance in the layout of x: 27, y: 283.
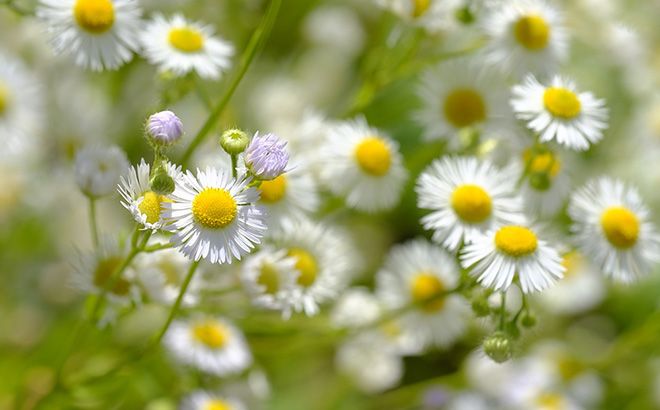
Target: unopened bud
x: 480, y: 307
x: 528, y: 320
x: 540, y: 181
x: 162, y: 184
x: 498, y: 347
x: 164, y: 128
x: 234, y: 141
x: 266, y: 157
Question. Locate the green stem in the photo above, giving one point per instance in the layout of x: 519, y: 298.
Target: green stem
x: 503, y: 311
x: 16, y: 9
x: 157, y: 247
x: 92, y: 222
x: 256, y: 42
x: 234, y: 165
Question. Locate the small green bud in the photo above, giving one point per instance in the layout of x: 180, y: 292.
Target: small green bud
x: 540, y: 181
x: 498, y: 347
x: 162, y: 184
x: 480, y: 307
x: 465, y: 15
x: 528, y: 320
x: 234, y: 141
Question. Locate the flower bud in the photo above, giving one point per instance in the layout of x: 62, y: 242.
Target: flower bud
x: 234, y: 141
x: 266, y: 157
x: 498, y: 347
x: 540, y: 181
x: 164, y: 128
x: 162, y: 184
x: 528, y: 320
x: 480, y: 306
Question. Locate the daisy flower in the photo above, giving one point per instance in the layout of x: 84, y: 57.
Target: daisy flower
x: 210, y: 344
x: 466, y: 197
x: 612, y: 226
x: 559, y: 112
x: 213, y: 216
x: 181, y: 46
x: 203, y: 400
x: 364, y: 166
x: 525, y: 36
x: 547, y: 186
x: 356, y: 307
x: 495, y: 257
x: 99, y: 34
x: 459, y: 94
x: 145, y: 205
x: 419, y: 273
x: 99, y: 169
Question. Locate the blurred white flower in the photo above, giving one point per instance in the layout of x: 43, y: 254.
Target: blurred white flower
x: 99, y: 169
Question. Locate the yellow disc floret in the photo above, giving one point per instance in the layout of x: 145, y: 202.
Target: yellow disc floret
x: 151, y: 206
x: 532, y: 32
x: 562, y: 102
x: 374, y: 156
x: 210, y: 333
x: 542, y: 162
x: 621, y: 227
x: 464, y: 107
x: 306, y: 265
x: 214, y: 208
x: 516, y: 241
x: 4, y: 98
x: 217, y: 404
x: 269, y: 278
x: 274, y: 190
x: 471, y: 203
x: 186, y: 39
x: 420, y: 7
x: 104, y: 276
x: 94, y: 16
x: 427, y: 289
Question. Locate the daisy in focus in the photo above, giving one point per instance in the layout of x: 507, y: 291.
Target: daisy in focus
x: 98, y: 34
x: 180, y: 46
x: 612, y: 226
x: 559, y: 112
x: 499, y: 255
x: 420, y: 273
x: 363, y: 166
x: 98, y: 169
x: 213, y: 216
x: 547, y: 185
x: 525, y: 36
x: 466, y: 197
x: 210, y: 344
x: 459, y: 94
x: 203, y: 400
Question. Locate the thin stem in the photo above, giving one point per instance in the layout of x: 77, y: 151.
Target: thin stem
x: 16, y: 9
x: 157, y: 247
x: 256, y: 42
x: 234, y: 165
x: 92, y: 222
x: 503, y: 311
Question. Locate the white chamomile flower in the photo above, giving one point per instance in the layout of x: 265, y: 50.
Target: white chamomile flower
x: 547, y: 185
x: 421, y: 273
x: 213, y: 216
x: 145, y: 205
x: 559, y: 112
x: 432, y: 15
x: 98, y: 169
x: 525, y: 36
x: 204, y: 400
x: 20, y: 108
x: 460, y: 94
x: 323, y: 259
x: 210, y: 344
x: 466, y: 197
x: 269, y: 278
x: 364, y: 166
x: 612, y: 226
x: 355, y: 307
x: 180, y: 46
x: 499, y: 255
x: 99, y: 34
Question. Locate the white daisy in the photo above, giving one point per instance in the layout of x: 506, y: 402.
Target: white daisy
x: 500, y: 254
x: 99, y: 34
x: 181, y: 46
x: 210, y: 344
x: 559, y: 112
x: 432, y: 15
x: 525, y: 36
x: 459, y: 94
x: 612, y: 226
x: 203, y: 400
x: 213, y: 216
x: 145, y: 205
x: 420, y: 273
x: 21, y: 117
x: 364, y: 166
x: 547, y: 185
x: 356, y: 307
x: 467, y: 197
x: 98, y: 169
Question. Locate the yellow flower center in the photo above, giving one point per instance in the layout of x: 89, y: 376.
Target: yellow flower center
x: 464, y: 107
x: 569, y: 367
x: 562, y: 102
x: 4, y: 98
x: 152, y: 206
x: 542, y: 162
x: 94, y: 16
x: 306, y: 265
x: 471, y: 203
x: 269, y: 278
x: 621, y: 226
x: 427, y: 288
x: 420, y: 7
x: 532, y: 32
x: 217, y: 404
x: 274, y: 190
x: 550, y: 401
x: 571, y: 263
x: 186, y: 39
x: 516, y: 241
x: 210, y: 333
x: 214, y: 208
x: 374, y: 156
x: 103, y: 276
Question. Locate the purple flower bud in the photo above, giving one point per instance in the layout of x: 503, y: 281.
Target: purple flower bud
x: 164, y: 128
x: 266, y: 157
